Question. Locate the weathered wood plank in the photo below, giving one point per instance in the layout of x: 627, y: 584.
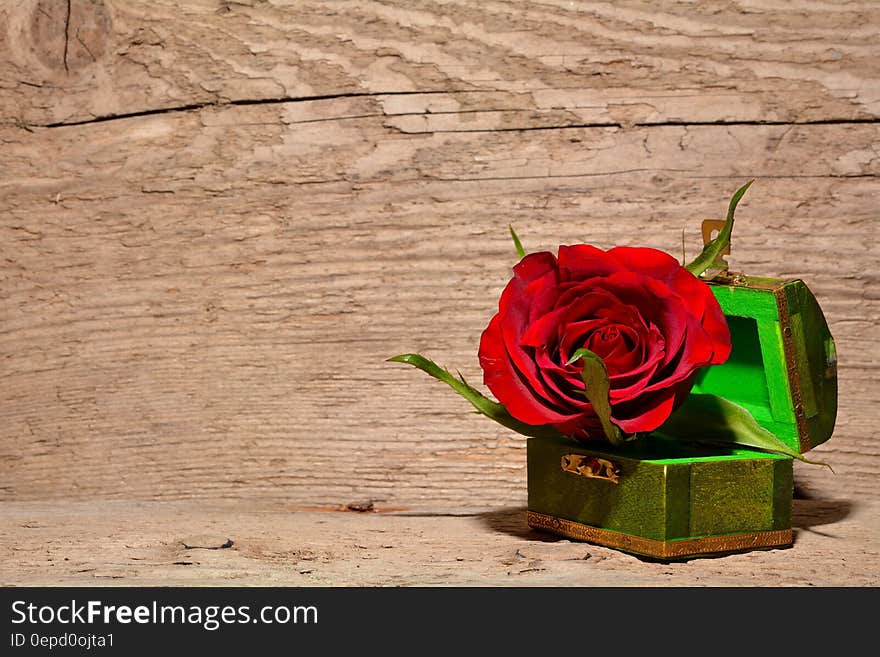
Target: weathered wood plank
x: 168, y: 544
x: 199, y: 304
x: 504, y: 63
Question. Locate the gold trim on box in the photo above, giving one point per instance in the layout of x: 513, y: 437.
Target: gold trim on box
x: 791, y: 366
x: 659, y: 549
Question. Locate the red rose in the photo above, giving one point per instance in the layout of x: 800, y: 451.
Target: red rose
x: 653, y: 323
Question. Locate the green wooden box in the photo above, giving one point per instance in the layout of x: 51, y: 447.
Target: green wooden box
x: 671, y: 500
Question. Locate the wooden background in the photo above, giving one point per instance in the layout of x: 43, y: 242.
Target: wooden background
x: 217, y: 219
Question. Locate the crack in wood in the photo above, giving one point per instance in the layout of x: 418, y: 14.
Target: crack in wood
x: 85, y: 46
x: 67, y: 36
x: 360, y: 507
x: 655, y: 124
x: 439, y: 514
x: 244, y: 102
x: 201, y: 545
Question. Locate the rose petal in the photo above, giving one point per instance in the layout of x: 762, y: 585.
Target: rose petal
x: 573, y: 335
x: 701, y: 302
x: 564, y: 381
x: 656, y: 303
x: 534, y: 266
x: 513, y: 313
x: 648, y: 412
x: 625, y: 354
x: 583, y: 426
x: 696, y: 351
x: 653, y: 323
x: 522, y: 357
x: 505, y: 382
x: 542, y: 293
x: 650, y: 262
x: 695, y: 294
x: 543, y: 332
x: 588, y: 297
x: 583, y: 261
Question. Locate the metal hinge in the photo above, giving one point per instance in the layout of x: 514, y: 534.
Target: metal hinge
x: 592, y: 467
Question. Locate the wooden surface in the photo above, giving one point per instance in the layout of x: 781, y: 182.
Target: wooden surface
x: 217, y: 219
x: 178, y: 543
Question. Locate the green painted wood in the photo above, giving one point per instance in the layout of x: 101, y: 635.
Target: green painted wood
x: 667, y: 491
x: 783, y: 491
x: 756, y: 375
x: 734, y: 498
x: 636, y: 506
x: 816, y: 361
x: 744, y: 301
x: 678, y: 499
x: 783, y: 422
x: 670, y: 491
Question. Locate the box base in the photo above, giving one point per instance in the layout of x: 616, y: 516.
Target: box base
x: 666, y: 550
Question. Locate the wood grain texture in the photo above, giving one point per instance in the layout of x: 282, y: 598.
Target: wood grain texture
x: 177, y: 544
x: 240, y: 211
x: 552, y: 61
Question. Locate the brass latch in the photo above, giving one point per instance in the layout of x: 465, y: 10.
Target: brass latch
x: 714, y: 226
x: 723, y: 274
x: 592, y: 467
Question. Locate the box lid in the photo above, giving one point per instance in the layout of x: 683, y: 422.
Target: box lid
x: 783, y: 366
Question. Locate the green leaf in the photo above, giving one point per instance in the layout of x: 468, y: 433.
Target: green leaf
x: 712, y: 419
x: 520, y: 251
x: 597, y: 387
x: 483, y: 404
x: 711, y: 254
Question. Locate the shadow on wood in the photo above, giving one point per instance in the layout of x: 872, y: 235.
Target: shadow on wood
x: 512, y: 521
x: 807, y: 514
